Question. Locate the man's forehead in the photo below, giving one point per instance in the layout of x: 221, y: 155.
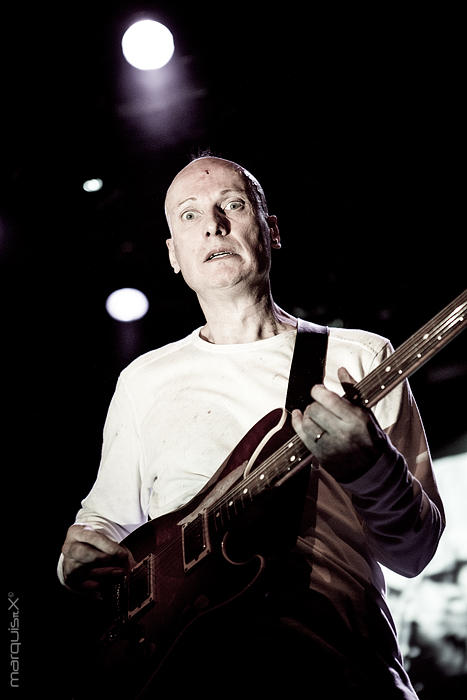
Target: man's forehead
x: 201, y: 175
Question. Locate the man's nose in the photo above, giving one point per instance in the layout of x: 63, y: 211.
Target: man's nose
x: 219, y: 224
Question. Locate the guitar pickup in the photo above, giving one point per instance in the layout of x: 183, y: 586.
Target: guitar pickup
x: 140, y: 587
x: 195, y: 541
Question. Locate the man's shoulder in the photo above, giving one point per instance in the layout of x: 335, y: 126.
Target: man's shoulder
x: 149, y: 360
x: 359, y: 341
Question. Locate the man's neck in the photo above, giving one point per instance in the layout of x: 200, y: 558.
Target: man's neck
x: 240, y: 321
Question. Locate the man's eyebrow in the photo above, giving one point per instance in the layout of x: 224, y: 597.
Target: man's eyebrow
x: 188, y: 199
x: 235, y: 191
x: 222, y: 192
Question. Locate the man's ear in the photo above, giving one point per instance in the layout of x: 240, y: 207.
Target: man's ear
x: 172, y: 256
x: 274, y: 231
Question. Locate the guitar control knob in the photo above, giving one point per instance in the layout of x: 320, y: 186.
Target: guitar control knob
x: 201, y: 602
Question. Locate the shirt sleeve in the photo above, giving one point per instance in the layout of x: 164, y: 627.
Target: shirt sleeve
x: 114, y: 504
x: 398, y: 498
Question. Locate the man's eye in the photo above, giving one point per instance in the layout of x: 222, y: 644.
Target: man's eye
x: 233, y: 206
x: 188, y: 215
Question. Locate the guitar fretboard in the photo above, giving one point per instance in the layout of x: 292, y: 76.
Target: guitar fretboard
x: 412, y: 354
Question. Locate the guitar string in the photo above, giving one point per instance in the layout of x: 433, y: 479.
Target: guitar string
x: 444, y: 320
x: 406, y: 352
x: 381, y: 379
x: 447, y: 331
x: 269, y: 462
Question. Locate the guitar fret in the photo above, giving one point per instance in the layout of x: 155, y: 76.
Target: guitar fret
x: 413, y: 353
x: 241, y: 495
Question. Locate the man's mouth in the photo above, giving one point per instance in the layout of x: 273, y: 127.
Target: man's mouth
x: 218, y: 254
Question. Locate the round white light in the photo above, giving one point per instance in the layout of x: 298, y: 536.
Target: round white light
x: 93, y: 185
x: 127, y: 304
x: 147, y: 45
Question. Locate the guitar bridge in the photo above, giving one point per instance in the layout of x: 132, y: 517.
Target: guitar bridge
x: 195, y: 541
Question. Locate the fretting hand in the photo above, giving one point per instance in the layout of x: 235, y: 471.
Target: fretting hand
x: 345, y: 439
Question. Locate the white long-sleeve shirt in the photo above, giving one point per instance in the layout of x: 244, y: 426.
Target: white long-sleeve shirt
x: 179, y: 410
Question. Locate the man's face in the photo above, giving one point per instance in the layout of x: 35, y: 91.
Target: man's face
x: 220, y: 238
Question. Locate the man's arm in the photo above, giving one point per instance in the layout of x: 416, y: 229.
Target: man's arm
x: 112, y: 509
x: 403, y: 523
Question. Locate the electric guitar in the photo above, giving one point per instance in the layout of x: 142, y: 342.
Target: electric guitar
x: 188, y: 561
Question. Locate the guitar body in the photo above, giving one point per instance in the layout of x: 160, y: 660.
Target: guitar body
x: 189, y: 566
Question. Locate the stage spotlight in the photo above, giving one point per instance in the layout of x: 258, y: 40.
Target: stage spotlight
x: 147, y: 45
x: 127, y: 304
x: 93, y: 185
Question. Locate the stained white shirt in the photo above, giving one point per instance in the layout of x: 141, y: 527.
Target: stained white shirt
x: 179, y: 410
x: 177, y: 413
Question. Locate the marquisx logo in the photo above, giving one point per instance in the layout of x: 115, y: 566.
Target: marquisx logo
x: 14, y: 638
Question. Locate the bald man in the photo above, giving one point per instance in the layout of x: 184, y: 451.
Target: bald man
x: 179, y: 411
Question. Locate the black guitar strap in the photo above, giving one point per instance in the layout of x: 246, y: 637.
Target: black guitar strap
x: 308, y: 362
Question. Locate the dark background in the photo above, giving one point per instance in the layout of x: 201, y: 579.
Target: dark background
x: 352, y: 118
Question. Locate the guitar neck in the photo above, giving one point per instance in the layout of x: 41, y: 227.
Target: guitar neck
x: 293, y: 455
x: 412, y: 354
